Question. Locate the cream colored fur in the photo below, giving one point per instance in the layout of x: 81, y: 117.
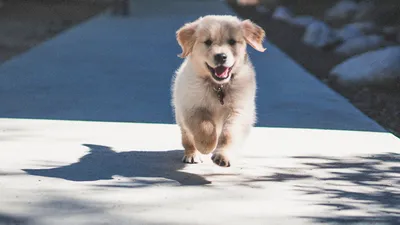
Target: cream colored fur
x: 207, y: 125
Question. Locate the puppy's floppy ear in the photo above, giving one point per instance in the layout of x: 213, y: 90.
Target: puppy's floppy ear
x: 253, y: 34
x: 186, y: 39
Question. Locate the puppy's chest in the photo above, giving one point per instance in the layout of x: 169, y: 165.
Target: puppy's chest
x: 221, y: 95
x: 219, y: 101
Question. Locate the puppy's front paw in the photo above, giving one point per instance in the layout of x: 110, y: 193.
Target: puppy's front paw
x: 192, y: 158
x: 221, y: 159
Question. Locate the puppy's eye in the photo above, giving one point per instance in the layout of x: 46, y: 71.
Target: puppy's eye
x: 231, y: 41
x: 208, y: 42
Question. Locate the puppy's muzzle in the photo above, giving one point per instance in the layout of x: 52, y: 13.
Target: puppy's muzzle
x: 220, y: 59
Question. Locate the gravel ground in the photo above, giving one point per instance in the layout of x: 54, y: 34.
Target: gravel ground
x: 382, y: 105
x: 26, y: 23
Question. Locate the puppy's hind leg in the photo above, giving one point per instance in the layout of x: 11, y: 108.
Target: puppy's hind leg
x: 191, y: 155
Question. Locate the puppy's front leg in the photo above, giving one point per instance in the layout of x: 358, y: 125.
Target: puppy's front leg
x: 232, y: 136
x: 204, y: 130
x: 190, y: 155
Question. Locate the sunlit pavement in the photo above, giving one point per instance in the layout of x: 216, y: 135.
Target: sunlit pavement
x: 87, y: 137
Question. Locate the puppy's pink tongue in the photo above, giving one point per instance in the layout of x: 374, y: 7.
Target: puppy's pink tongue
x: 221, y: 71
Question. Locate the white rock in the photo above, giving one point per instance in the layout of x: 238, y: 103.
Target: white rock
x: 365, y: 8
x: 379, y: 67
x: 348, y: 32
x: 362, y: 44
x: 248, y: 2
x: 282, y: 13
x: 319, y: 34
x: 303, y: 21
x: 343, y: 10
x: 365, y: 27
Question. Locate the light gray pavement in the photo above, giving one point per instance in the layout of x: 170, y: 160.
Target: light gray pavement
x: 87, y: 137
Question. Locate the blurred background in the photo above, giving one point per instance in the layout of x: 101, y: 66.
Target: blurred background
x: 25, y: 23
x: 351, y: 45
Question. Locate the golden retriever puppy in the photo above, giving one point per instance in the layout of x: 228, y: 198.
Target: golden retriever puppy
x: 213, y: 91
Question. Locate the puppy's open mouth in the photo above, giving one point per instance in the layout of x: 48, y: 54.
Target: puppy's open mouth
x: 220, y: 72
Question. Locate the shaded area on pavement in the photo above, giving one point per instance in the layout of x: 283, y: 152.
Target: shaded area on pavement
x: 362, y: 189
x: 102, y: 163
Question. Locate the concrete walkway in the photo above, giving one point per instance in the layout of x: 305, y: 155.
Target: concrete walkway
x: 87, y: 137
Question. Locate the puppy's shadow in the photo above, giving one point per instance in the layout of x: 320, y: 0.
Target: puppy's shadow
x: 102, y: 163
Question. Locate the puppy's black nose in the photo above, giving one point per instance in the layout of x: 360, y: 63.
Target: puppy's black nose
x: 220, y: 58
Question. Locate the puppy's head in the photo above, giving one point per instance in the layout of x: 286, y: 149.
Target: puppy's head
x: 217, y: 44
